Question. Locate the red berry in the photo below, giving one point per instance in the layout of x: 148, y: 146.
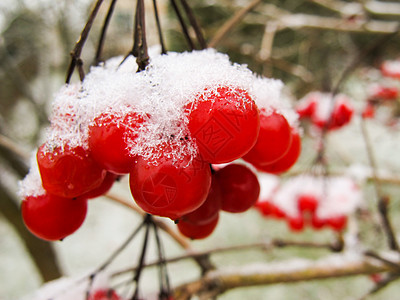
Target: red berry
x: 265, y: 207
x: 170, y: 189
x: 52, y: 218
x: 273, y: 141
x: 307, y: 203
x: 306, y: 108
x: 341, y: 115
x: 318, y: 223
x: 68, y: 172
x: 337, y: 223
x: 209, y: 209
x: 296, y: 223
x: 391, y: 68
x: 384, y: 93
x: 109, y: 136
x: 103, y: 188
x: 104, y: 294
x: 286, y: 161
x: 239, y: 188
x: 369, y: 111
x: 224, y: 123
x: 194, y: 231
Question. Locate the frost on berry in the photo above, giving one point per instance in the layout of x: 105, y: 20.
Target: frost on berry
x: 31, y: 185
x: 391, y: 68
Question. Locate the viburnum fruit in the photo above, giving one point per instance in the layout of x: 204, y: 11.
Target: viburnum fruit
x: 239, y: 188
x: 104, y: 187
x: 195, y: 231
x: 51, y: 217
x: 273, y: 141
x: 170, y: 188
x: 391, y: 68
x: 224, y: 123
x: 104, y: 294
x: 209, y: 209
x: 342, y: 114
x: 109, y: 135
x: 68, y: 172
x: 286, y: 161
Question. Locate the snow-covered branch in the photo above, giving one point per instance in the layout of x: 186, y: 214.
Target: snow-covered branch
x: 295, y: 270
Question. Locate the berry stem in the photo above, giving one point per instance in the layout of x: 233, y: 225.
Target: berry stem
x: 76, y: 52
x: 195, y: 24
x: 183, y: 25
x: 147, y: 221
x: 140, y: 44
x: 160, y: 35
x: 107, y: 19
x: 165, y: 289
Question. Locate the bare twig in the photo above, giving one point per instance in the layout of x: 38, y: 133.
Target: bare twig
x: 183, y: 25
x: 334, y: 266
x: 383, y: 200
x: 76, y: 52
x: 231, y: 23
x: 107, y: 20
x: 195, y: 25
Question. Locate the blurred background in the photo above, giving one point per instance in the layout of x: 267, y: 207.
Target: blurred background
x: 308, y: 44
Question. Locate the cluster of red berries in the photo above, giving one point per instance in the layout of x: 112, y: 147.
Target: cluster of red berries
x: 168, y: 153
x: 386, y: 92
x: 306, y: 207
x: 325, y: 111
x: 309, y: 201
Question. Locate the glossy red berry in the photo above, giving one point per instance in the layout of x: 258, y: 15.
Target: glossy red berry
x: 273, y: 141
x: 307, y: 203
x: 68, y: 172
x: 51, y: 217
x: 103, y: 188
x: 194, y: 231
x: 104, y: 294
x: 284, y: 163
x: 224, y: 123
x: 341, y: 115
x: 239, y: 188
x: 337, y: 223
x: 109, y: 138
x: 209, y: 209
x: 296, y: 223
x: 170, y: 189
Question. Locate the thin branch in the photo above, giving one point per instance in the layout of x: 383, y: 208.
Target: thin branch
x: 203, y: 262
x: 107, y: 20
x: 231, y: 23
x: 158, y: 24
x: 183, y: 25
x: 296, y: 270
x: 195, y: 24
x: 76, y: 52
x: 140, y: 42
x: 265, y: 246
x: 383, y: 201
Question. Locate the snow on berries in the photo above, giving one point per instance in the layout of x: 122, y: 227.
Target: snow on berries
x: 310, y: 201
x: 325, y: 110
x: 164, y: 126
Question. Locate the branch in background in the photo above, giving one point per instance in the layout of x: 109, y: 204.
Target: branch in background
x: 383, y: 201
x: 335, y: 266
x: 354, y: 8
x: 286, y: 19
x: 76, y: 52
x: 231, y: 23
x: 41, y: 252
x: 107, y: 20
